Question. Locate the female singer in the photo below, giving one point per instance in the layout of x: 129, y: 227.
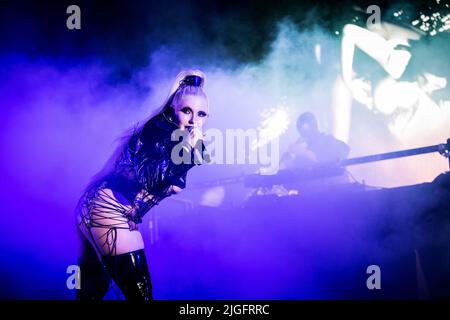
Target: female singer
x: 149, y: 166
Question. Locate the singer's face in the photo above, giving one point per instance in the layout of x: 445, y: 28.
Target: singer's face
x: 191, y: 111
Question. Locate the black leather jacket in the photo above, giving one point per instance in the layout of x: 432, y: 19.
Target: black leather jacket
x: 145, y: 165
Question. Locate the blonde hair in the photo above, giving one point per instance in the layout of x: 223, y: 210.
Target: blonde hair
x: 177, y: 91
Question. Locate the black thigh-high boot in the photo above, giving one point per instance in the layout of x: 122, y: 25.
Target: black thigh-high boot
x: 130, y: 272
x: 94, y: 277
